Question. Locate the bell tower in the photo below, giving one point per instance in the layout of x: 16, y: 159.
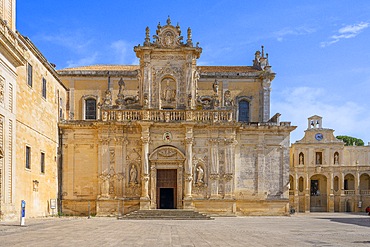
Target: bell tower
x: 168, y: 75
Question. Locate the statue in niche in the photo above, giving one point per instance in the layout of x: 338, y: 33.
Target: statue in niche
x: 200, y: 175
x: 169, y: 93
x: 228, y: 100
x: 133, y: 174
x: 336, y: 158
x: 301, y: 160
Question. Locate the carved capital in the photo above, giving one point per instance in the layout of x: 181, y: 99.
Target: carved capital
x: 188, y: 178
x: 189, y: 140
x: 145, y: 139
x: 145, y: 178
x: 214, y: 176
x: 228, y: 176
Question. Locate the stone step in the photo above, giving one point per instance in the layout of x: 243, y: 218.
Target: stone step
x: 166, y: 214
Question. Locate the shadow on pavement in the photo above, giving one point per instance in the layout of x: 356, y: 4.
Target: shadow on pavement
x: 361, y: 221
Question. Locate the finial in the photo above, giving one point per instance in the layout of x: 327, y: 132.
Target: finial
x: 263, y: 51
x: 267, y: 59
x: 168, y: 20
x: 189, y: 41
x: 159, y: 25
x: 147, y: 38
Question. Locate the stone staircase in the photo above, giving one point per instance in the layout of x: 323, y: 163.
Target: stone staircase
x: 165, y: 214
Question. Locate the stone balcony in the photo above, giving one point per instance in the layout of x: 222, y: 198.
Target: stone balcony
x: 167, y: 116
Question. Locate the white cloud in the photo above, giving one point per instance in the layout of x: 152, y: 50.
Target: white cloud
x: 89, y: 60
x: 346, y: 32
x: 281, y: 34
x: 345, y: 117
x: 74, y: 41
x: 121, y: 52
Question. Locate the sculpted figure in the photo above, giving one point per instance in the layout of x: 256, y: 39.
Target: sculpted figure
x: 336, y: 158
x: 168, y: 94
x: 108, y: 97
x: 200, y: 175
x: 133, y: 174
x: 301, y: 162
x: 228, y: 99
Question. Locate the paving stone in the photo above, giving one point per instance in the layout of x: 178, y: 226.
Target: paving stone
x: 315, y: 229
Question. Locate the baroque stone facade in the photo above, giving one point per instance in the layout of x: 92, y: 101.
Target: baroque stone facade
x: 326, y: 175
x: 171, y: 134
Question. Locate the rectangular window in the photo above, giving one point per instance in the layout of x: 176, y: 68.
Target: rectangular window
x: 42, y: 160
x: 29, y: 75
x: 28, y: 157
x: 90, y: 109
x: 44, y: 88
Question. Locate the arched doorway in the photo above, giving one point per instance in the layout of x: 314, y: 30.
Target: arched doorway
x: 318, y: 193
x: 166, y: 175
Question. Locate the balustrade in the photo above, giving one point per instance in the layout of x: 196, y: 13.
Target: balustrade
x: 167, y: 115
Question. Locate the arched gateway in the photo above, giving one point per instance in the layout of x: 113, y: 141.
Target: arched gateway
x: 166, y: 178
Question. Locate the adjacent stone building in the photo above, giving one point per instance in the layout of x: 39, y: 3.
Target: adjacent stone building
x: 326, y: 175
x: 32, y: 101
x: 171, y: 134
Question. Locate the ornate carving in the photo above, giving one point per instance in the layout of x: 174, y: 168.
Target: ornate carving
x: 167, y: 152
x: 227, y: 176
x: 228, y: 101
x: 214, y: 176
x: 108, y: 98
x: 189, y: 140
x: 168, y: 36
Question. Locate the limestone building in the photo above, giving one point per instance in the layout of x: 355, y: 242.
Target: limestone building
x: 32, y: 100
x: 326, y: 175
x: 171, y: 134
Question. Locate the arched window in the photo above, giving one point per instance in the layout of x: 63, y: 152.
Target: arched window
x: 90, y: 108
x: 243, y: 111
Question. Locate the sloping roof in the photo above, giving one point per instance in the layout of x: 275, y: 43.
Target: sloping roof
x: 214, y: 69
x: 104, y: 67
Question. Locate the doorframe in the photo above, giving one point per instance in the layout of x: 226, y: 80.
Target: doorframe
x: 166, y: 157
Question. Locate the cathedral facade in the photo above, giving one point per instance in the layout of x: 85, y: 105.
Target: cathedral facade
x: 171, y: 134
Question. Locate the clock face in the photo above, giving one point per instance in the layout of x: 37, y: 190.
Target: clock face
x: 319, y: 136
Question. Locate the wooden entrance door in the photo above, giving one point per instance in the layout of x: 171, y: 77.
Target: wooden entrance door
x: 166, y: 188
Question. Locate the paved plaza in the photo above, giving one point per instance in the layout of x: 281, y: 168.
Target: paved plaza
x: 322, y: 229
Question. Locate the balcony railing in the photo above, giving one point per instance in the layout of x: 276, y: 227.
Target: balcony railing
x: 168, y: 115
x: 365, y: 192
x: 349, y: 192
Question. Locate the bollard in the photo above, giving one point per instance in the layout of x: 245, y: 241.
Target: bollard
x: 88, y: 209
x: 23, y: 213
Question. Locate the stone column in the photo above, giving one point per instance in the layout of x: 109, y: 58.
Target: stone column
x: 145, y: 138
x: 266, y: 83
x: 330, y: 193
x: 229, y: 167
x: 260, y: 166
x: 214, y: 176
x: 357, y: 197
x: 188, y: 167
x: 307, y: 206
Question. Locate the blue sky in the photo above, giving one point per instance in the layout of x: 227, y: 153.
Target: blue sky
x: 319, y: 49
